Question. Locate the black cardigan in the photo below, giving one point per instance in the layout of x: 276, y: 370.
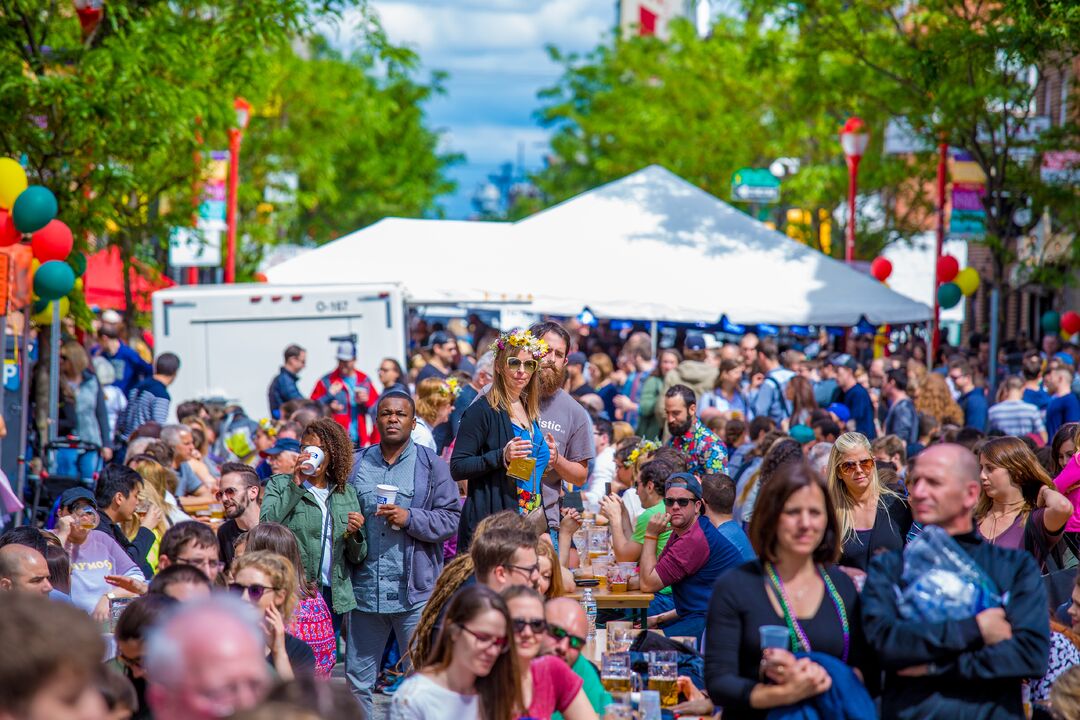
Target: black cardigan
x: 478, y: 458
x: 891, y: 526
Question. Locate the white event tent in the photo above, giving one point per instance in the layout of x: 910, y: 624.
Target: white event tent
x: 650, y: 246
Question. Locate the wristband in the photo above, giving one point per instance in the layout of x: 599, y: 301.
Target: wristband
x: 653, y: 537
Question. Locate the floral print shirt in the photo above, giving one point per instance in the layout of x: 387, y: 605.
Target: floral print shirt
x: 704, y: 451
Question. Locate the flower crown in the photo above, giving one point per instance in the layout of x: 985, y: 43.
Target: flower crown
x: 522, y: 339
x: 450, y: 388
x: 646, y: 447
x: 267, y: 426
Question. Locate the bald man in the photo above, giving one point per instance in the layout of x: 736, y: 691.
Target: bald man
x: 24, y: 569
x: 567, y: 631
x: 208, y: 660
x: 970, y: 668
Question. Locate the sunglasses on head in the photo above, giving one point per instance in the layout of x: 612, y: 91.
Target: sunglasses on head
x: 681, y: 502
x: 848, y: 467
x: 538, y: 626
x: 528, y: 366
x: 255, y: 592
x: 559, y: 634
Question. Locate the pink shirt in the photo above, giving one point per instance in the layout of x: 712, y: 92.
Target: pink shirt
x: 555, y: 686
x: 1068, y: 484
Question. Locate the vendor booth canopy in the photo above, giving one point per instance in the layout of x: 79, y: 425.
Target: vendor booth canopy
x: 650, y: 246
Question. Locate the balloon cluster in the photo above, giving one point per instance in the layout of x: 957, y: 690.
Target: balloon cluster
x: 954, y: 283
x: 1066, y: 323
x: 31, y: 210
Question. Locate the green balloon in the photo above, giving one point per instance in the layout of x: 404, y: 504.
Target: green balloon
x: 1051, y: 321
x: 33, y: 209
x: 77, y: 261
x: 948, y: 295
x: 53, y: 280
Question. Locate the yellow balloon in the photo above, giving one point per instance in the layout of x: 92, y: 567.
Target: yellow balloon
x: 967, y: 280
x: 12, y: 182
x: 79, y: 284
x: 34, y: 265
x: 45, y: 316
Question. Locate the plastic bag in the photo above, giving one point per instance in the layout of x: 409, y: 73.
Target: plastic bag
x: 941, y: 582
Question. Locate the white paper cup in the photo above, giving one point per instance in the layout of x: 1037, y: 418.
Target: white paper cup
x: 385, y: 494
x: 311, y: 465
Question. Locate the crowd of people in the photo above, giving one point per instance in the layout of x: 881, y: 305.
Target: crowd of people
x: 436, y: 535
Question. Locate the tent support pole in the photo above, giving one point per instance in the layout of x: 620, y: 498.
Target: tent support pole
x: 654, y: 333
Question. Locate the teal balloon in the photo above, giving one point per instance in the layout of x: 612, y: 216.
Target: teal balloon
x: 53, y: 280
x: 77, y: 261
x: 1051, y: 321
x: 39, y: 306
x: 33, y: 209
x: 948, y: 294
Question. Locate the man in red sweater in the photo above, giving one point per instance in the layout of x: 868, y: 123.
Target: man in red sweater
x: 349, y: 393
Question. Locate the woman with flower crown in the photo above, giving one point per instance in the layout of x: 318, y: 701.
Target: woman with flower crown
x: 500, y: 449
x: 434, y: 401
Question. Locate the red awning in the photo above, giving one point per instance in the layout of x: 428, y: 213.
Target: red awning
x: 104, y: 286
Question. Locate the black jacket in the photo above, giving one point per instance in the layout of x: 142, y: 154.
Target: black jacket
x: 891, y: 526
x: 967, y: 679
x: 478, y: 458
x: 136, y: 549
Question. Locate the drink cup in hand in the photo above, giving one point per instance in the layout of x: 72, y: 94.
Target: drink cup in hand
x: 315, y: 459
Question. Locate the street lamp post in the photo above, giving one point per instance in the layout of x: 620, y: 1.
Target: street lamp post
x: 854, y: 137
x: 236, y: 134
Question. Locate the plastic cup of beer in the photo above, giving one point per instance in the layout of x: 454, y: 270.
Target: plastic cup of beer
x: 615, y: 672
x: 663, y: 677
x: 617, y: 578
x: 774, y: 636
x: 600, y: 567
x: 598, y: 542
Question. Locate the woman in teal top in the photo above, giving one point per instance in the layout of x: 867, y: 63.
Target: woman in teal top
x: 528, y: 490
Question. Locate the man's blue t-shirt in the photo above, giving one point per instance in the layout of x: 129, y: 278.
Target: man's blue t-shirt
x: 976, y: 410
x: 1038, y: 398
x: 130, y: 368
x: 857, y: 400
x: 1061, y: 410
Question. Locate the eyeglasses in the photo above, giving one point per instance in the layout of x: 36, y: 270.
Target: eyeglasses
x: 559, y: 634
x: 484, y: 641
x: 538, y: 626
x: 848, y: 466
x: 229, y: 492
x: 130, y: 663
x: 205, y: 563
x: 515, y: 364
x: 527, y: 570
x: 681, y: 502
x: 255, y: 592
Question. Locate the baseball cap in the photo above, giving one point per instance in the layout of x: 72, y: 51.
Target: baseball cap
x: 803, y: 433
x: 844, y: 360
x: 439, y: 337
x: 1064, y: 357
x: 840, y: 410
x: 686, y: 481
x: 695, y: 341
x: 282, y: 445
x: 111, y: 317
x: 76, y: 494
x: 346, y: 351
x: 577, y: 358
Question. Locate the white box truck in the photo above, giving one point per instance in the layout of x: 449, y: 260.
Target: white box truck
x: 230, y: 338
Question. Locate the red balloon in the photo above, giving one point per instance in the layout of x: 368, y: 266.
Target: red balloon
x: 52, y: 242
x: 947, y: 268
x: 881, y: 269
x: 8, y: 234
x: 1070, y: 322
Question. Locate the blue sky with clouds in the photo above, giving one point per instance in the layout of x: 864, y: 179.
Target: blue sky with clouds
x: 493, y: 51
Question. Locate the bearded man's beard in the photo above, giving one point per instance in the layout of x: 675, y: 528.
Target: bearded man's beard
x: 551, y: 380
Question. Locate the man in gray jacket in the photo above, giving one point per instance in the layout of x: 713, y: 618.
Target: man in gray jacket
x: 405, y: 539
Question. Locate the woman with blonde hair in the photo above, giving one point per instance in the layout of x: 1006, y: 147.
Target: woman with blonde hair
x: 1019, y: 507
x: 934, y: 398
x: 434, y: 401
x: 601, y: 370
x: 555, y: 580
x: 163, y: 480
x: 500, y: 449
x: 148, y: 496
x: 872, y: 518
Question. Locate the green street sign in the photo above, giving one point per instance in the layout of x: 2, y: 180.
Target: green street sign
x: 755, y: 185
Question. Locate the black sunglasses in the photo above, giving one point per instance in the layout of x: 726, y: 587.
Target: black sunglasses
x: 558, y: 633
x: 255, y: 592
x: 681, y: 502
x: 538, y: 626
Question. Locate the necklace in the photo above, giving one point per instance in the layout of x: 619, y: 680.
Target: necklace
x: 1010, y: 510
x: 799, y: 641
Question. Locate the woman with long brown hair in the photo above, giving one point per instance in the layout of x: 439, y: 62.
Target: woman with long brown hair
x: 726, y: 396
x: 800, y: 394
x: 320, y: 507
x: 471, y: 672
x: 1019, y: 507
x: 934, y: 398
x: 500, y: 449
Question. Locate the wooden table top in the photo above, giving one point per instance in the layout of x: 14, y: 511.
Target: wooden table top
x: 607, y: 599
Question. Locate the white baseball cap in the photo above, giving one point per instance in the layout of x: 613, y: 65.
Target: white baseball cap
x: 346, y: 351
x: 111, y: 317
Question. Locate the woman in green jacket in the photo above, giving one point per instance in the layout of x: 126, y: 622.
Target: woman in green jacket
x: 322, y: 510
x: 651, y: 404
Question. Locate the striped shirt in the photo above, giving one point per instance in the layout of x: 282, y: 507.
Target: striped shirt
x: 148, y: 401
x: 1016, y: 417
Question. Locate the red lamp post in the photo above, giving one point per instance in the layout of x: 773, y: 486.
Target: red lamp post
x: 854, y: 137
x: 236, y: 134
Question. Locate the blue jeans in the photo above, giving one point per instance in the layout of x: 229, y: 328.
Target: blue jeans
x: 77, y: 463
x: 367, y: 636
